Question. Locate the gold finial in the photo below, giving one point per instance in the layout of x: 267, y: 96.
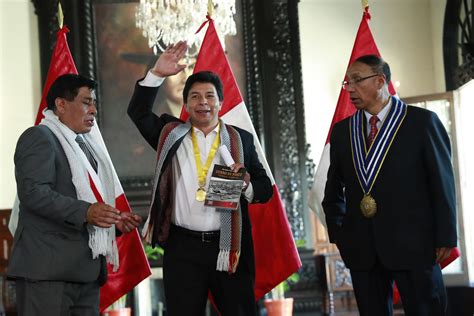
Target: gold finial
x: 210, y: 7
x: 365, y: 3
x: 60, y: 15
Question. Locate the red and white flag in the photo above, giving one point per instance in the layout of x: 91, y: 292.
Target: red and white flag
x: 364, y: 45
x: 276, y: 256
x: 134, y: 265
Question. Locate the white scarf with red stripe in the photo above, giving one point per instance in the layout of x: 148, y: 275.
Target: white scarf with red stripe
x: 101, y: 240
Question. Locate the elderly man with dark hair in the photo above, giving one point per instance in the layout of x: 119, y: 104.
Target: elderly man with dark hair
x: 390, y: 198
x: 206, y: 249
x: 63, y: 232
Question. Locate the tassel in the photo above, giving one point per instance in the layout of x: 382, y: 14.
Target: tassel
x: 223, y: 260
x: 102, y: 242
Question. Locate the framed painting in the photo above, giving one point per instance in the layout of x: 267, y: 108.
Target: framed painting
x: 122, y: 58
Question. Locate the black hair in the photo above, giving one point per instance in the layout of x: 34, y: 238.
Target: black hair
x: 377, y: 64
x: 203, y: 76
x: 67, y: 86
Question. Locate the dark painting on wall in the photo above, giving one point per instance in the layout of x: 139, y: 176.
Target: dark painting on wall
x: 123, y: 57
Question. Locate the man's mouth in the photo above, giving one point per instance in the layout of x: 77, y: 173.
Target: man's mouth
x: 355, y: 100
x: 90, y: 122
x: 203, y: 111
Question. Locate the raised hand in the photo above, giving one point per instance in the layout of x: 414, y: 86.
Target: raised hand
x: 167, y: 64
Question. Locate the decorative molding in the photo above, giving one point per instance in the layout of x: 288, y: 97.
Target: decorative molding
x: 458, y: 43
x: 291, y: 187
x: 307, y: 294
x: 254, y: 86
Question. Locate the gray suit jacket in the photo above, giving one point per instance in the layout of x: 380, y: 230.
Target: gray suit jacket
x: 51, y: 240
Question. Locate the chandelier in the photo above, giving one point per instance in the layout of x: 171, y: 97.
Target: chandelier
x: 168, y: 21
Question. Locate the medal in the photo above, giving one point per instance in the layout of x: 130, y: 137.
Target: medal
x: 369, y: 161
x: 368, y: 206
x: 202, y: 170
x: 200, y: 195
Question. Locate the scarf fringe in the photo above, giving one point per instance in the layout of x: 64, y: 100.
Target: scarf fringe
x: 102, y: 242
x: 223, y: 260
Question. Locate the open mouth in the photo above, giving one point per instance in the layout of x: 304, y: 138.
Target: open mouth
x: 203, y: 111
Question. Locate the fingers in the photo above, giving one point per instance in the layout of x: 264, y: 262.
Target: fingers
x: 236, y: 167
x: 131, y: 218
x: 167, y: 64
x: 442, y: 254
x: 102, y: 215
x: 180, y: 49
x: 129, y: 222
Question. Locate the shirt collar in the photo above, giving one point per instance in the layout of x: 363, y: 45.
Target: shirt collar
x: 214, y: 131
x: 383, y: 113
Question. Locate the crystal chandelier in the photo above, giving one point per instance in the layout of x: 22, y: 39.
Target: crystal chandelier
x: 168, y: 21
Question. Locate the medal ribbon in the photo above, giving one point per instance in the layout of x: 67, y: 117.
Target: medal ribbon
x: 368, y: 163
x: 202, y: 171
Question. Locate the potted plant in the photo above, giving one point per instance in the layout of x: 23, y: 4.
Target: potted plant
x: 277, y: 304
x: 153, y: 253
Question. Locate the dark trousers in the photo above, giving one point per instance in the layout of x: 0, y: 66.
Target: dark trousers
x: 422, y: 291
x: 56, y: 298
x: 189, y: 273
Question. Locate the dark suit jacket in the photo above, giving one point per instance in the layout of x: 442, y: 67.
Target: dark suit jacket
x: 414, y: 192
x: 51, y: 240
x: 150, y: 126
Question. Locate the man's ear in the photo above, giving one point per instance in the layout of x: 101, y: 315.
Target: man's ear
x: 60, y: 105
x: 383, y: 80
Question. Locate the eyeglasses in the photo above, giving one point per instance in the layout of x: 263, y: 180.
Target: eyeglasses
x: 347, y: 83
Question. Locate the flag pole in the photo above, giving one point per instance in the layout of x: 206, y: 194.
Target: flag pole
x: 60, y: 15
x: 210, y: 8
x: 365, y: 4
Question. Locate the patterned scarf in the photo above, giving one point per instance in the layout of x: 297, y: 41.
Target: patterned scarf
x: 157, y: 225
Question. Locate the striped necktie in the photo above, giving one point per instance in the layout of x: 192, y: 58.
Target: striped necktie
x: 85, y: 148
x: 373, y: 129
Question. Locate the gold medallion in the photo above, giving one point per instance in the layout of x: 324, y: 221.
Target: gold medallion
x: 368, y: 206
x: 200, y: 195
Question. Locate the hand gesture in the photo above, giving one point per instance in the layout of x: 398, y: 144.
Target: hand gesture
x: 167, y: 63
x: 128, y: 222
x: 102, y: 215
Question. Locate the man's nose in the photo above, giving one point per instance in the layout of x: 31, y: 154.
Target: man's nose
x: 202, y: 99
x: 350, y: 87
x: 92, y: 109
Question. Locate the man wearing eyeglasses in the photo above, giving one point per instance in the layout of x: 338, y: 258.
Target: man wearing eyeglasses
x: 390, y: 197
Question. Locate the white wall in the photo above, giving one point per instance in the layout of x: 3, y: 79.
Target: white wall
x: 408, y: 34
x: 404, y: 31
x: 19, y: 86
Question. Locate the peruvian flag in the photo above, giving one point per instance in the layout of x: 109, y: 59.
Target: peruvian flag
x: 276, y: 256
x: 364, y: 45
x: 134, y: 265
